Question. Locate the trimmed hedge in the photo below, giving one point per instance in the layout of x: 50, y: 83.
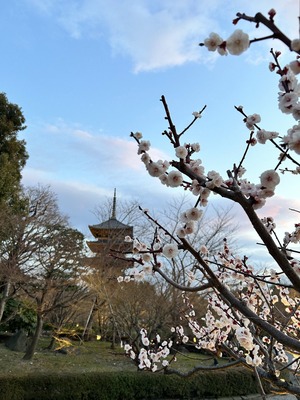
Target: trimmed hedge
x: 127, y: 386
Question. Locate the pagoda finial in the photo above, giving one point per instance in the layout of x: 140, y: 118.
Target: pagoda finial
x: 113, y: 214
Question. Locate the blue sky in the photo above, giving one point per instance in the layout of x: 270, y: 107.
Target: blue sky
x: 88, y: 72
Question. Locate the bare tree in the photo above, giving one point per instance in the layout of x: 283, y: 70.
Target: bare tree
x: 56, y: 281
x: 22, y: 235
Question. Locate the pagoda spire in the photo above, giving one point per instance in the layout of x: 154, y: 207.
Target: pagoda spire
x: 113, y: 214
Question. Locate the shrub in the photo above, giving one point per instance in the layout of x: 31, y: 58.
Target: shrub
x: 129, y: 386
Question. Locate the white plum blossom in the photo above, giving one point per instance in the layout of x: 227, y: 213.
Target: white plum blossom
x: 195, y: 147
x: 170, y: 250
x: 147, y: 269
x: 215, y: 179
x: 181, y: 152
x: 262, y: 136
x: 154, y: 169
x: 164, y: 179
x: 269, y: 179
x: 295, y: 67
x: 145, y: 341
x: 292, y: 139
x: 193, y: 214
x: 175, y: 178
x: 254, y: 359
x: 295, y: 45
x: 143, y: 146
x: 197, y: 168
x: 147, y: 257
x: 288, y: 81
x: 244, y: 337
x: 296, y: 112
x: 213, y: 41
x: 241, y: 171
x: 237, y: 43
x: 181, y: 232
x: 203, y: 249
x: 259, y: 202
x: 189, y: 227
x: 145, y: 158
x: 252, y: 120
x: 287, y: 101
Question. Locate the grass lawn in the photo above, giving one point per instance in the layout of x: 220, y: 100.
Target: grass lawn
x: 93, y: 356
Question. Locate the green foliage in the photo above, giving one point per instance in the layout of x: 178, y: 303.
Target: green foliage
x: 13, y: 154
x: 129, y: 386
x: 18, y: 315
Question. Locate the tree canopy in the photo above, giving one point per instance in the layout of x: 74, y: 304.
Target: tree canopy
x: 13, y: 153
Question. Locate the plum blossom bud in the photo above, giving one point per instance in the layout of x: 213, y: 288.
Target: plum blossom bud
x: 196, y: 114
x: 237, y: 43
x: 175, y: 179
x: 128, y: 239
x: 295, y: 45
x: 213, y: 41
x: 181, y: 152
x: 272, y: 66
x: 203, y: 249
x: 170, y: 250
x: 272, y: 13
x: 137, y: 135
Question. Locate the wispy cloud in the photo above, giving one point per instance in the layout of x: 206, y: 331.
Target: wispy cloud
x: 156, y: 34
x: 71, y: 150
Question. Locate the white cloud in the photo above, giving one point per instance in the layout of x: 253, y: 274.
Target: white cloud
x: 156, y: 34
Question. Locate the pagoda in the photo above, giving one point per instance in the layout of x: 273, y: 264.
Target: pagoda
x: 109, y: 238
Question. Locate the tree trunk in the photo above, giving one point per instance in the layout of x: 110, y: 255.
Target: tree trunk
x: 32, y: 346
x: 4, y: 297
x: 52, y: 343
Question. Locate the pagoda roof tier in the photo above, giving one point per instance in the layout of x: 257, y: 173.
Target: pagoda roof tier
x: 111, y: 224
